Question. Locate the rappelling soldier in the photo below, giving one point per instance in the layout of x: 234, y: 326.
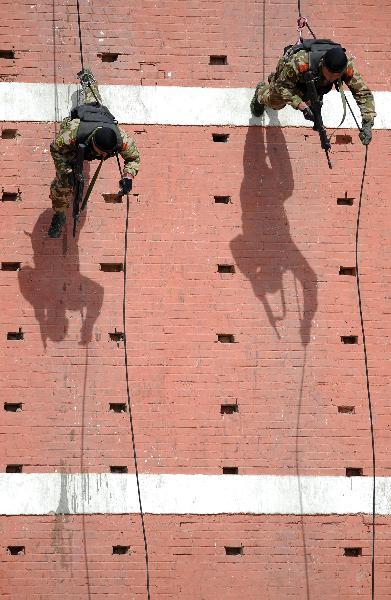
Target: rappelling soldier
x: 327, y: 63
x: 93, y: 126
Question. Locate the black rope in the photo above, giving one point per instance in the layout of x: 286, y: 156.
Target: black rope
x: 80, y: 38
x: 370, y: 408
x: 81, y: 52
x: 125, y: 340
x: 305, y: 22
x: 310, y: 30
x: 129, y: 396
x: 358, y: 126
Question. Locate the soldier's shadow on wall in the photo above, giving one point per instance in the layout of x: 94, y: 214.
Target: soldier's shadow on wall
x: 265, y: 251
x: 55, y: 286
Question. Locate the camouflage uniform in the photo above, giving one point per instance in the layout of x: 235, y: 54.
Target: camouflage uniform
x: 286, y: 85
x: 63, y: 151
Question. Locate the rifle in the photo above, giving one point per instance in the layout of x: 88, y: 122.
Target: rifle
x: 78, y: 203
x: 78, y: 188
x: 316, y: 107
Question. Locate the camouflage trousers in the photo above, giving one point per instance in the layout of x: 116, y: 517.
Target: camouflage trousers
x: 61, y: 188
x: 267, y: 96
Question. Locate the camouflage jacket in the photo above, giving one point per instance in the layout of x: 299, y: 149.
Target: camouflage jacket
x: 288, y: 83
x: 63, y: 149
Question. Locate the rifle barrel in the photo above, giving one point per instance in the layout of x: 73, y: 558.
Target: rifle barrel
x: 316, y: 106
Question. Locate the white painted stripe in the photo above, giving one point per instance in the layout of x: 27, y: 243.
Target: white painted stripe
x: 163, y: 105
x: 56, y: 493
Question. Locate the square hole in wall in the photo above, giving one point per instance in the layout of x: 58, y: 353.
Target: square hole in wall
x: 112, y: 198
x: 230, y: 470
x: 121, y: 549
x: 118, y: 407
x: 108, y: 57
x: 229, y: 409
x: 9, y: 134
x: 111, y: 267
x: 345, y: 201
x: 343, y: 139
x: 118, y: 469
x: 350, y: 410
x: 225, y: 338
x: 116, y: 336
x: 226, y: 268
x: 353, y: 551
x: 349, y: 339
x: 7, y: 54
x: 233, y: 550
x: 354, y: 472
x: 13, y: 406
x: 16, y: 550
x: 14, y: 469
x: 10, y: 266
x: 218, y: 59
x: 221, y: 138
x: 10, y: 196
x: 222, y: 199
x: 15, y: 335
x: 351, y: 271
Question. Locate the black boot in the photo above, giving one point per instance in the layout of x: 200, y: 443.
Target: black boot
x: 257, y: 109
x: 58, y: 221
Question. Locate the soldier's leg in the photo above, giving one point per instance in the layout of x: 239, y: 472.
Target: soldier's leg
x: 60, y: 194
x: 265, y: 96
x: 90, y: 90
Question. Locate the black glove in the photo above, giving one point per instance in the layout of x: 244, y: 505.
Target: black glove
x: 125, y: 185
x: 308, y: 114
x: 365, y: 134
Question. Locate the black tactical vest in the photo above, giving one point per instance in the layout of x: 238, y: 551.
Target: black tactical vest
x: 91, y: 117
x: 316, y: 50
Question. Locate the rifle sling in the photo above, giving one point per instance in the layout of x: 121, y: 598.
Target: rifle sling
x: 344, y: 103
x: 343, y: 98
x: 90, y: 187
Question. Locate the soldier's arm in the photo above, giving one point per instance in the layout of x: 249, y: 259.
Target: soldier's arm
x: 63, y: 149
x: 360, y: 91
x: 130, y: 154
x: 288, y: 76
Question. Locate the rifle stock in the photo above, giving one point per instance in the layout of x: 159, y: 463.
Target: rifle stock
x: 316, y: 107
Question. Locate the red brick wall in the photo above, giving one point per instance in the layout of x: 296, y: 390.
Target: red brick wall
x: 282, y: 226
x: 68, y: 557
x: 155, y: 39
x: 287, y: 227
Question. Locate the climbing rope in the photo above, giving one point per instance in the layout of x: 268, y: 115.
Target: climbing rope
x: 128, y: 391
x: 370, y: 407
x: 80, y: 38
x: 301, y: 23
x: 129, y: 402
x: 81, y: 53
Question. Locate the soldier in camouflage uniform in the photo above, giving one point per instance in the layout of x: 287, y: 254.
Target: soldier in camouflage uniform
x: 287, y: 85
x: 101, y: 145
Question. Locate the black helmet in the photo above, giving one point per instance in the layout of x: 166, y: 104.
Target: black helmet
x: 335, y: 60
x: 105, y: 139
